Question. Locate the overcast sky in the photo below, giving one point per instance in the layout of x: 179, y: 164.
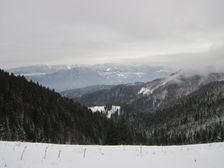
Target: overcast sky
x: 179, y: 33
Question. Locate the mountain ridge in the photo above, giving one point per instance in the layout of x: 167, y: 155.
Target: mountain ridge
x: 66, y: 77
x: 31, y: 112
x: 151, y: 96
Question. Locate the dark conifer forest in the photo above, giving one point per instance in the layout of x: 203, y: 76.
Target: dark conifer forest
x: 196, y: 118
x: 30, y: 112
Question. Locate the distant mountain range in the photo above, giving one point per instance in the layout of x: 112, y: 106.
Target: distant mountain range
x: 65, y: 77
x: 150, y: 96
x: 79, y: 92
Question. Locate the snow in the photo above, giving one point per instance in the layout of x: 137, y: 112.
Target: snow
x: 153, y: 86
x: 103, y: 109
x: 32, y: 74
x: 68, y: 67
x: 108, y: 69
x: 39, y: 155
x: 145, y: 91
x: 163, y: 70
x: 130, y: 74
x: 148, y: 90
x: 97, y: 108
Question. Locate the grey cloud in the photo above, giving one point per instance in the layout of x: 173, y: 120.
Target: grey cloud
x: 100, y: 31
x: 211, y: 60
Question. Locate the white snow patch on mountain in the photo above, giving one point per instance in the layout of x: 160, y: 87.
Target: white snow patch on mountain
x: 149, y: 90
x: 108, y: 69
x: 145, y: 91
x: 33, y: 74
x: 40, y: 155
x: 105, y: 110
x: 69, y: 67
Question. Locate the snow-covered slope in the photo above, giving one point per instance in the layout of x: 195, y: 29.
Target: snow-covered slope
x: 161, y: 93
x: 37, y: 155
x: 104, y: 109
x: 154, y: 95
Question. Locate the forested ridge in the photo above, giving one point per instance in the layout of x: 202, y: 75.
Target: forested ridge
x: 30, y: 112
x: 196, y: 118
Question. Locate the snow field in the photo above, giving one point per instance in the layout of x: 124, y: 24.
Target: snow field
x: 39, y: 155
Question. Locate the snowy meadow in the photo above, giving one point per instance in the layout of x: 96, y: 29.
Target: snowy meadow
x: 40, y: 155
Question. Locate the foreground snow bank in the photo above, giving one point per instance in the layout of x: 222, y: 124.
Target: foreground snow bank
x: 37, y: 155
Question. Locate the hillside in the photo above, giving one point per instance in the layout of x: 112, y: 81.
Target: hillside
x: 196, y: 118
x: 30, y: 112
x: 118, y: 95
x: 151, y: 96
x: 179, y: 109
x: 79, y: 92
